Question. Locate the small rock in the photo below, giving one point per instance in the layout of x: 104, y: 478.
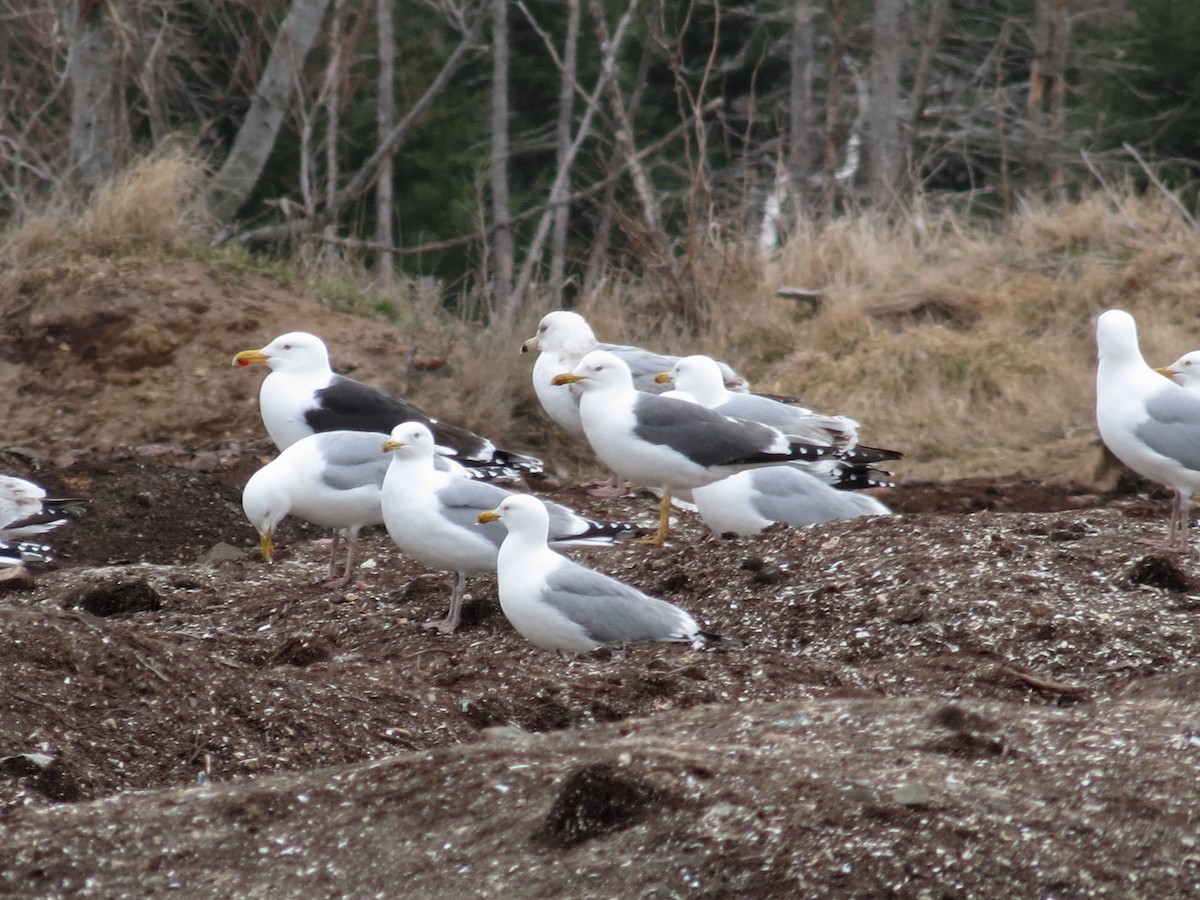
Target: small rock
x: 858, y: 792
x: 222, y: 552
x: 496, y: 733
x: 912, y: 793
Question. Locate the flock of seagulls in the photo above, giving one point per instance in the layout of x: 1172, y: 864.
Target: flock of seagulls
x: 352, y: 456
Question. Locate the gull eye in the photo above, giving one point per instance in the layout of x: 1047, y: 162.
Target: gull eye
x: 287, y: 346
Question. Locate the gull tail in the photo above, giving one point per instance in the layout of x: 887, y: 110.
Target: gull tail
x: 702, y: 640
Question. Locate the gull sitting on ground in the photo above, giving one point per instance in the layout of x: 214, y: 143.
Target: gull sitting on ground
x: 559, y: 605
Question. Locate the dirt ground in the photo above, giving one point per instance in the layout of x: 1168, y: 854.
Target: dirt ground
x: 992, y: 693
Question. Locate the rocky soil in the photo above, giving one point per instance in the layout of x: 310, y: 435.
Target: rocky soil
x: 992, y: 693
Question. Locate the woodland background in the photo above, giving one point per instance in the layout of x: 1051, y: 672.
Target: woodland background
x: 508, y: 155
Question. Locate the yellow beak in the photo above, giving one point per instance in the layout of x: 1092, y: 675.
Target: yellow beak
x: 566, y: 378
x: 490, y: 515
x: 250, y: 358
x: 1165, y: 372
x: 663, y: 378
x: 392, y: 444
x: 266, y: 545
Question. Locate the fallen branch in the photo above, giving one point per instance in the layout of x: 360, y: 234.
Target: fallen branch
x: 1044, y: 684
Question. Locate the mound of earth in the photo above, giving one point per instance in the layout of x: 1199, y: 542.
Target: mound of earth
x: 992, y: 693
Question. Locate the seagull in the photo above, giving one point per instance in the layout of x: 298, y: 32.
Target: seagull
x: 332, y: 479
x: 563, y: 338
x: 430, y: 515
x: 559, y: 605
x: 667, y: 442
x: 17, y: 553
x: 747, y: 502
x: 699, y: 378
x: 25, y: 510
x: 1151, y: 425
x: 1185, y: 371
x: 302, y: 395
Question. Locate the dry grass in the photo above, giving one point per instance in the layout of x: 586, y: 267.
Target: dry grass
x: 968, y: 346
x: 151, y: 206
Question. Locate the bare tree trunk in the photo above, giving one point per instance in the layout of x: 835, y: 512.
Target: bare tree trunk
x: 502, y: 238
x: 368, y: 174
x: 333, y: 113
x: 1056, y: 74
x: 883, y: 124
x: 924, y: 73
x: 235, y: 181
x: 385, y: 269
x: 651, y: 214
x: 800, y: 98
x: 833, y: 99
x: 561, y: 176
x: 566, y: 102
x: 598, y: 256
x: 93, y: 102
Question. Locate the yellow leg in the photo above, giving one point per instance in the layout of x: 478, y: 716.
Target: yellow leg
x: 664, y: 522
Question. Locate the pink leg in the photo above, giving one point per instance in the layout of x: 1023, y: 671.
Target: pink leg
x: 340, y: 581
x: 614, y: 487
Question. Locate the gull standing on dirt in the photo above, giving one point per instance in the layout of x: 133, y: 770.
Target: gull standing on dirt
x: 1150, y: 424
x: 302, y: 395
x: 1185, y: 371
x: 559, y: 605
x: 430, y: 514
x: 670, y: 443
x: 333, y: 479
x: 563, y: 338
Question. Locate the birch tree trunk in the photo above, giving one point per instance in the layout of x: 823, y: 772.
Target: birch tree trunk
x: 385, y: 269
x: 233, y: 184
x: 502, y: 239
x: 90, y: 68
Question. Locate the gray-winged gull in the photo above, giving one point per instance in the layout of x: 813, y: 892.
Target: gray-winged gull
x: 25, y: 510
x: 430, y: 515
x: 1185, y: 371
x: 302, y: 395
x: 332, y: 479
x: 747, y: 502
x: 1149, y: 423
x: 670, y: 443
x: 559, y: 605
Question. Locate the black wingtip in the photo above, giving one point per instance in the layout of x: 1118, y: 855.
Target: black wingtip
x: 708, y: 639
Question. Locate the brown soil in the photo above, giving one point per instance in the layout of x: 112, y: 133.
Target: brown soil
x: 994, y: 693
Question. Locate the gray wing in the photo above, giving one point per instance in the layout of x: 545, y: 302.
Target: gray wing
x: 792, y: 420
x: 462, y: 500
x: 646, y: 364
x: 787, y: 494
x: 703, y: 436
x: 611, y: 611
x: 351, y: 459
x: 1173, y: 428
